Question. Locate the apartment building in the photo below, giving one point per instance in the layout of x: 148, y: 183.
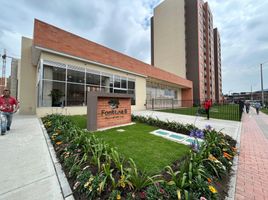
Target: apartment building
x: 217, y: 64
x: 183, y: 43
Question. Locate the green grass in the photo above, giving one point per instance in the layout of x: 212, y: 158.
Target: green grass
x: 227, y: 112
x: 150, y: 153
x: 265, y: 110
x: 79, y: 120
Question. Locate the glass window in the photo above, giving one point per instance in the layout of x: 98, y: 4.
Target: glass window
x: 75, y: 76
x: 105, y: 80
x: 54, y: 73
x: 75, y: 94
x: 93, y: 79
x: 117, y: 81
x: 120, y: 91
x: 131, y: 84
x: 105, y: 89
x: 53, y: 94
x: 133, y: 99
x: 123, y: 83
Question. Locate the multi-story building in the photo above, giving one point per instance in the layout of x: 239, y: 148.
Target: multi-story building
x: 217, y: 64
x: 183, y: 43
x: 58, y: 68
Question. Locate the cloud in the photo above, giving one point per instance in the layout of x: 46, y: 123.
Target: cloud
x: 243, y: 30
x: 125, y: 27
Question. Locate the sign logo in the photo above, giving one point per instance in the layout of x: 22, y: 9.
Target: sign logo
x: 114, y: 103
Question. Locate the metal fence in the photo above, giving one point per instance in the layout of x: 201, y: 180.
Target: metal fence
x: 195, y: 107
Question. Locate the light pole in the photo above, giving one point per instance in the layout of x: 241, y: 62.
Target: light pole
x: 262, y: 94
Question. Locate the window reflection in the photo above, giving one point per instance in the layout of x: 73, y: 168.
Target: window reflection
x: 55, y: 82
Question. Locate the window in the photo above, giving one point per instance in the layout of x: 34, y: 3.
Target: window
x: 123, y: 83
x: 75, y: 76
x: 92, y: 79
x: 117, y: 82
x: 131, y: 84
x: 133, y: 99
x: 75, y: 94
x: 62, y: 86
x: 54, y: 73
x: 53, y: 94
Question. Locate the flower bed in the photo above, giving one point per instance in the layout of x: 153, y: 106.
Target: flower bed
x: 97, y: 171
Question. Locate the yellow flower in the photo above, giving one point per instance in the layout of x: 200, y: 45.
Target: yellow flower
x: 179, y: 194
x: 212, y: 189
x: 86, y: 184
x: 118, y: 197
x: 123, y: 185
x: 211, y: 157
x: 58, y: 143
x: 58, y: 131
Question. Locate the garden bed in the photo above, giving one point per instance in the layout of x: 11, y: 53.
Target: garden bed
x: 96, y: 170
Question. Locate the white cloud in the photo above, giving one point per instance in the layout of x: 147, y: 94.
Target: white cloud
x: 124, y: 26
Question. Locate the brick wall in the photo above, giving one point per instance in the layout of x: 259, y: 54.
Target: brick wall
x: 121, y: 115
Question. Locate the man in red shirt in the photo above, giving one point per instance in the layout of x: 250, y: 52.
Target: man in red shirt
x: 207, y: 106
x: 8, y: 106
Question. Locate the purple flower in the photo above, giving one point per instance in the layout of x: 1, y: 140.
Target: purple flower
x: 197, y: 134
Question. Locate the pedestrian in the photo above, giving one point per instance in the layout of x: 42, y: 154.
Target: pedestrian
x: 257, y: 106
x: 241, y: 107
x: 247, y: 104
x: 207, y: 105
x: 8, y: 106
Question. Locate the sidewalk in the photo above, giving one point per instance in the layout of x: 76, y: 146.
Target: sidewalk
x: 26, y: 169
x: 252, y: 175
x: 231, y: 128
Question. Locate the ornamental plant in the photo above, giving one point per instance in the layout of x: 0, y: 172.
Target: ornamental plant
x: 97, y: 171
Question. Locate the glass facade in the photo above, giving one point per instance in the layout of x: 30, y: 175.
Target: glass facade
x: 65, y: 85
x: 164, y: 92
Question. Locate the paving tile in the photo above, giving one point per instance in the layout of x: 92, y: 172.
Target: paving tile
x: 253, y: 161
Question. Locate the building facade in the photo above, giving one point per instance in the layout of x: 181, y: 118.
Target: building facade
x: 57, y: 69
x: 217, y: 64
x: 182, y: 38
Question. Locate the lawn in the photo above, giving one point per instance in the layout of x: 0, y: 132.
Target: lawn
x: 227, y: 112
x: 150, y: 153
x: 265, y: 110
x: 79, y: 120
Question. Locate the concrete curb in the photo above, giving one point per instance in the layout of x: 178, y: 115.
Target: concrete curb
x: 232, y: 183
x: 63, y: 182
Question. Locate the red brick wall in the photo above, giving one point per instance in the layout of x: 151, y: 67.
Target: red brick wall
x: 51, y: 37
x: 187, y: 97
x: 109, y: 120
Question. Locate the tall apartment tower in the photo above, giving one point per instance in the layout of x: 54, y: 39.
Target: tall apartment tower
x: 168, y: 37
x: 187, y: 29
x: 217, y: 64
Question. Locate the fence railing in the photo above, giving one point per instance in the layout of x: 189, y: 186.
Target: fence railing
x: 195, y: 108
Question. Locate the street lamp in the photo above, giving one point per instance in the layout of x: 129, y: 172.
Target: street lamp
x: 262, y: 93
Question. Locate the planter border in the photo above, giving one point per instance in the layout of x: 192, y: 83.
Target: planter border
x: 63, y: 182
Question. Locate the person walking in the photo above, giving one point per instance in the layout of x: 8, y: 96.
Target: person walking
x: 247, y: 104
x: 207, y: 106
x: 257, y: 106
x: 241, y: 107
x: 8, y: 106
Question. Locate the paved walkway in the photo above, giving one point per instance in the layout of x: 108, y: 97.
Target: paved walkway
x: 27, y: 171
x: 26, y: 167
x: 252, y: 175
x: 231, y: 128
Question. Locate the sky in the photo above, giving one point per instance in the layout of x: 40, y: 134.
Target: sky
x: 124, y: 25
